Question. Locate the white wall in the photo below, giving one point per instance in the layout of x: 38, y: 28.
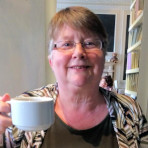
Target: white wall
x: 50, y: 11
x: 22, y: 45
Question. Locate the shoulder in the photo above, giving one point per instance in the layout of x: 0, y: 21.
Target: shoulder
x: 134, y: 116
x: 124, y: 105
x: 127, y: 103
x: 124, y: 100
x: 51, y: 90
x: 130, y: 109
x: 130, y: 103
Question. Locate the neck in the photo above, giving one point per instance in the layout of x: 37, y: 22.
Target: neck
x: 88, y: 108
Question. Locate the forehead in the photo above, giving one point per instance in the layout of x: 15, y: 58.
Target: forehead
x: 68, y: 32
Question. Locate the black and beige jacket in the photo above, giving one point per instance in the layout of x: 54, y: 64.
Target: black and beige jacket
x: 129, y: 123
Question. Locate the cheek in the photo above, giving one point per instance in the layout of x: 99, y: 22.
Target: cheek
x: 98, y: 59
x: 98, y: 62
x: 101, y: 60
x: 59, y: 61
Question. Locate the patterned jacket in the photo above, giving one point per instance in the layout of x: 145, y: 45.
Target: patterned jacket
x: 129, y: 123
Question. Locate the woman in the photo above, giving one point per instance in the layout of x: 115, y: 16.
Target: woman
x: 106, y: 82
x: 85, y: 116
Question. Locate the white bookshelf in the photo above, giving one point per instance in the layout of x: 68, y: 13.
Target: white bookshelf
x: 132, y: 5
x: 134, y: 47
x: 142, y: 70
x: 130, y: 71
x: 137, y: 22
x: 133, y: 93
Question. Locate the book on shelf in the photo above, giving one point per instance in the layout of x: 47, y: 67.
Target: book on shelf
x: 136, y: 59
x: 129, y: 59
x: 136, y: 35
x: 133, y: 60
x: 132, y: 82
x: 139, y: 5
x: 136, y: 10
x: 132, y: 16
x: 139, y: 33
x: 130, y: 39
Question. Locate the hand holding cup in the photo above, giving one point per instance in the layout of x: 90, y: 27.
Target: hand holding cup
x: 5, y: 120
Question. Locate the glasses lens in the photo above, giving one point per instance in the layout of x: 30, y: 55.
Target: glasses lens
x: 65, y: 45
x: 90, y: 44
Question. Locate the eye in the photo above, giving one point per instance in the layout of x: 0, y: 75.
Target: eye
x: 66, y: 44
x: 89, y: 44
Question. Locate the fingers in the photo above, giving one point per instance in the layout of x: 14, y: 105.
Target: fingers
x: 5, y: 108
x: 5, y: 122
x: 5, y: 97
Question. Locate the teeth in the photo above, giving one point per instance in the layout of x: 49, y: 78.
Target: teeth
x: 80, y: 67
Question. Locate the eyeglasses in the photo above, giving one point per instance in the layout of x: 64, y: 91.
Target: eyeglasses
x: 87, y: 45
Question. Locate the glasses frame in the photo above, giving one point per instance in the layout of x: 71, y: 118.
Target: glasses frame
x: 83, y: 44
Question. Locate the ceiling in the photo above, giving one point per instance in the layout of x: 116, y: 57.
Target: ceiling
x: 107, y: 2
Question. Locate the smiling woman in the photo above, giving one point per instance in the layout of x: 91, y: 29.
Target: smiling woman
x: 86, y: 115
x: 76, y: 64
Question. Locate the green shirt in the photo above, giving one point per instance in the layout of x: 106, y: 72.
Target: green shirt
x: 60, y: 135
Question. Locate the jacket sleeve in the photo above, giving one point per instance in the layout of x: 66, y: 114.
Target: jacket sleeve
x: 143, y: 128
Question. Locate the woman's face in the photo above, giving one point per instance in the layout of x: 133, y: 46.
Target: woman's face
x: 76, y: 67
x: 103, y: 83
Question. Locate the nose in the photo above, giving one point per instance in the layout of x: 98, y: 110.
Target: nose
x: 79, y: 51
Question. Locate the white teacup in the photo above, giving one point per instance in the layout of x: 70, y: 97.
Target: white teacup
x: 32, y: 113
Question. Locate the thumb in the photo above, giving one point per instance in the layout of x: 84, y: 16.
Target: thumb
x: 5, y: 97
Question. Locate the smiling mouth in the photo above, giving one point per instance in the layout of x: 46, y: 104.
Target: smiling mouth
x: 80, y: 67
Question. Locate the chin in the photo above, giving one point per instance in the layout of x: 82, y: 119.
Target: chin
x: 81, y: 83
